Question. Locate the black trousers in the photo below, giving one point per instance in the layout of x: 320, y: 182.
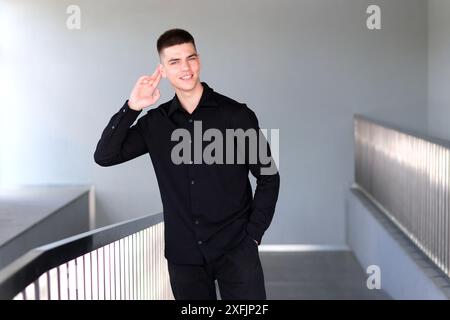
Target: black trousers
x: 238, y: 272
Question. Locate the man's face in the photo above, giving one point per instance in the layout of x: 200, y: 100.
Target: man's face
x: 180, y: 64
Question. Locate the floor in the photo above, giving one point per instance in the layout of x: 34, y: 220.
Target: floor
x: 316, y: 275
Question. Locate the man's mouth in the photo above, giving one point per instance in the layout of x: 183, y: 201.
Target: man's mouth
x: 187, y: 77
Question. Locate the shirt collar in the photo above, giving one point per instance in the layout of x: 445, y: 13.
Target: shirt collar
x: 206, y: 100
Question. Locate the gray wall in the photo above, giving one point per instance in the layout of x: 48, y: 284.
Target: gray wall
x: 304, y: 66
x: 439, y: 68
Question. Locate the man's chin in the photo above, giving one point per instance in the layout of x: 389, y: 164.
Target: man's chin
x: 186, y: 86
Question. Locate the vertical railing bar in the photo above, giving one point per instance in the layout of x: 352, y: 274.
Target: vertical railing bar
x: 84, y: 277
x: 443, y: 152
x: 446, y: 211
x: 147, y: 275
x: 157, y: 262
x: 146, y: 264
x: 439, y: 207
x: 114, y: 273
x: 432, y: 201
x: 91, y: 269
x: 58, y: 275
x: 427, y: 197
x: 37, y: 294
x: 142, y: 265
x: 110, y: 271
x: 98, y: 273
x: 135, y: 262
x: 129, y: 264
x: 76, y: 280
x: 130, y: 267
x: 153, y: 264
x: 125, y: 269
x: 161, y: 260
x: 144, y: 275
x: 150, y: 266
x: 104, y: 274
x: 138, y: 253
x: 138, y: 257
x: 68, y: 280
x: 435, y: 201
x: 135, y: 267
x: 120, y: 271
x: 48, y: 285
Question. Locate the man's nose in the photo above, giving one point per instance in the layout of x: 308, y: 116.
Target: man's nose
x: 185, y: 65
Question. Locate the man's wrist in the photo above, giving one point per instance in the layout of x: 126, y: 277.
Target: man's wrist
x: 131, y: 106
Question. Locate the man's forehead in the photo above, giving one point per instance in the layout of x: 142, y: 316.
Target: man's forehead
x: 179, y: 51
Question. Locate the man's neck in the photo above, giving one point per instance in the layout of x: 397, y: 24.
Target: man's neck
x: 189, y: 99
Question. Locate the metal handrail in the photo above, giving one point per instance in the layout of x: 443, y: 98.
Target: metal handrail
x: 120, y: 261
x: 406, y: 175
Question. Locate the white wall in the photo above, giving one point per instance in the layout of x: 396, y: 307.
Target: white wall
x: 304, y: 66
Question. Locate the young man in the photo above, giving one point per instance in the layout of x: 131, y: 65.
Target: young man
x: 213, y: 224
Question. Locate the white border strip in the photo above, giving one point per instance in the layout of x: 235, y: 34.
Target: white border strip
x: 302, y: 247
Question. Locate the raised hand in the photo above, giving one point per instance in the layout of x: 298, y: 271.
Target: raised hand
x: 145, y: 92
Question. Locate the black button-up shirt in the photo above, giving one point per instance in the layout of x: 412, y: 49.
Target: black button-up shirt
x: 207, y: 208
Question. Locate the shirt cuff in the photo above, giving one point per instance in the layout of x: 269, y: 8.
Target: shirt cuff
x: 127, y: 107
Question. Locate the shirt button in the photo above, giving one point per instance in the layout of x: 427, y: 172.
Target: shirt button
x: 192, y: 181
x: 196, y: 222
x: 199, y: 241
x: 113, y: 127
x: 123, y: 110
x: 190, y: 120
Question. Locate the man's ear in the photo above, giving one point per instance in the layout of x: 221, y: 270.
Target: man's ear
x: 163, y: 72
x: 199, y: 60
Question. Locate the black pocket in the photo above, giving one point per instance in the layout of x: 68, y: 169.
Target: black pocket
x: 252, y: 241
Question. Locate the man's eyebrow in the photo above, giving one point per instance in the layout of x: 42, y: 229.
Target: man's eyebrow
x: 177, y: 59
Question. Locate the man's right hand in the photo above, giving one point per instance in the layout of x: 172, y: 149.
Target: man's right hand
x: 145, y: 92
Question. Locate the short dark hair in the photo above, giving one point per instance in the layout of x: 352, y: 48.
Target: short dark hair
x: 173, y: 37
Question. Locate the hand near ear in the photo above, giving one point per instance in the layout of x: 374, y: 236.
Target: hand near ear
x: 145, y: 92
